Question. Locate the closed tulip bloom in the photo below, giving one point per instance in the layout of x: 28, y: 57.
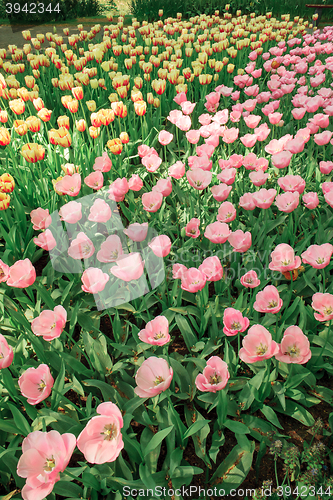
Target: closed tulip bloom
x: 221, y: 192
x: 318, y: 256
x: 101, y: 440
x: 21, y: 274
x: 226, y: 212
x: 100, y: 211
x: 193, y: 136
x: 151, y: 162
x: 4, y: 271
x: 152, y: 201
x: 7, y: 183
x: 264, y: 197
x: 258, y: 345
x: 217, y: 232
x: 214, y: 377
x: 287, y: 202
x: 326, y: 167
x: 193, y: 280
x: 268, y: 300
x: 153, y: 377
x: 283, y: 259
x: 198, y: 178
x: 71, y: 212
x: 46, y: 240
x: 160, y: 245
x: 258, y: 178
x: 234, y: 322
x: 45, y: 455
x: 50, y: 324
x: 163, y: 186
x: 192, y: 228
x: 129, y: 267
x: 164, y: 137
x: 250, y: 280
x: 118, y: 189
x: 212, y: 268
x: 227, y: 176
x: 136, y: 231
x: 36, y: 384
x: 311, y: 200
x: 111, y: 249
x: 6, y: 353
x: 240, y: 241
x: 40, y: 218
x: 156, y: 332
x: 94, y: 280
x: 281, y: 160
x: 33, y: 123
x: 177, y: 170
x: 292, y: 183
x: 246, y: 201
x: 135, y: 183
x: 80, y: 125
x: 32, y: 152
x: 4, y: 136
x: 323, y: 138
x: 178, y: 271
x: 323, y: 304
x: 294, y: 347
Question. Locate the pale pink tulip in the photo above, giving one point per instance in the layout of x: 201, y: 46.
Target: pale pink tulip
x: 178, y: 271
x: 326, y: 167
x: 21, y: 274
x: 129, y: 267
x: 227, y: 176
x: 198, y: 178
x: 71, y: 212
x: 151, y: 162
x: 250, y: 280
x: 40, y: 218
x: 164, y: 137
x: 36, y: 384
x: 100, y: 211
x: 152, y: 201
x: 94, y: 280
x: 163, y: 186
x: 281, y: 160
x: 50, y: 324
x: 311, y: 200
x: 283, y: 259
x: 177, y: 170
x: 294, y: 347
x: 258, y: 345
x: 268, y: 300
x: 136, y: 231
x: 240, y: 241
x: 318, y: 256
x: 81, y: 247
x: 246, y: 201
x: 226, y: 212
x: 160, y: 245
x: 103, y: 163
x: 135, y: 183
x: 258, y: 178
x: 193, y: 136
x: 6, y: 353
x: 234, y: 322
x: 94, y: 180
x: 156, y: 332
x: 292, y: 183
x: 111, y: 248
x: 287, y: 202
x: 4, y: 271
x: 215, y: 375
x: 153, y: 377
x: 217, y: 232
x: 323, y: 304
x: 45, y: 241
x: 118, y: 189
x: 193, y: 280
x: 264, y: 197
x: 69, y: 184
x: 212, y: 268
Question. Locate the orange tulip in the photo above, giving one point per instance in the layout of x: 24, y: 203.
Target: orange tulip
x: 7, y: 183
x: 77, y: 93
x: 4, y: 136
x: 124, y: 137
x: 4, y: 201
x: 32, y: 152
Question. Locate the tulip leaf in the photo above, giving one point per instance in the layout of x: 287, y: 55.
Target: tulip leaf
x: 156, y: 440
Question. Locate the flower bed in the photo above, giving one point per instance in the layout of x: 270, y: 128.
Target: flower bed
x: 166, y: 294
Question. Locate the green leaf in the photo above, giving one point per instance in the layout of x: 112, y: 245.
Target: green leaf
x: 67, y: 489
x: 58, y: 387
x: 187, y: 332
x: 236, y: 427
x: 20, y: 420
x: 196, y: 427
x: 271, y: 416
x: 233, y: 470
x: 297, y: 412
x: 156, y: 440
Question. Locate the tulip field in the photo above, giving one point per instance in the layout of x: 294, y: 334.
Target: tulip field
x: 166, y: 293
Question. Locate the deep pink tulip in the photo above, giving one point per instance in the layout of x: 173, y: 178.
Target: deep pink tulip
x: 36, y: 384
x: 94, y: 280
x: 21, y: 274
x: 240, y: 241
x: 50, y: 324
x: 234, y: 322
x: 45, y: 455
x: 268, y: 300
x: 156, y: 332
x: 294, y: 347
x: 283, y: 259
x: 153, y: 377
x: 215, y: 375
x: 258, y: 345
x: 318, y: 256
x: 101, y: 440
x: 129, y: 267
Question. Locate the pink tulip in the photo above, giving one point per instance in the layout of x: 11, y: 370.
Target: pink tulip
x: 6, y: 353
x: 144, y: 150
x: 81, y: 247
x: 21, y: 274
x: 103, y: 163
x: 212, y: 103
x: 177, y: 170
x: 181, y: 97
x: 129, y: 267
x: 184, y: 123
x: 258, y: 345
x: 94, y: 180
x: 264, y: 197
x: 193, y: 136
x: 71, y: 212
x: 40, y: 218
x: 250, y: 161
x: 240, y: 241
x: 249, y: 105
x: 327, y: 187
x: 192, y: 228
x: 287, y: 202
x: 200, y: 162
x: 205, y: 119
x: 164, y: 137
x: 214, y: 377
x: 295, y: 146
x: 311, y: 200
x: 246, y: 201
x: 69, y: 184
x: 252, y: 121
x: 4, y: 271
x: 111, y: 248
x: 230, y: 135
x: 221, y: 192
x: 118, y: 189
x: 187, y: 107
x: 258, y: 178
x: 250, y: 280
x: 101, y: 440
x: 135, y: 183
x: 236, y: 161
x: 153, y: 377
x: 212, y: 268
x: 160, y: 245
x: 193, y: 280
x: 227, y: 176
x: 45, y: 454
x: 294, y: 347
x: 152, y: 201
x: 268, y: 300
x: 136, y: 231
x: 323, y: 138
x: 198, y: 178
x: 326, y: 167
x: 217, y: 232
x: 262, y: 132
x: 36, y: 384
x: 45, y: 241
x: 274, y: 147
x: 156, y: 332
x: 292, y: 183
x: 281, y: 160
x: 226, y: 212
x: 329, y: 198
x: 234, y: 322
x: 323, y: 304
x: 163, y: 186
x: 151, y: 162
x: 298, y: 113
x: 94, y: 280
x: 318, y: 256
x: 249, y: 140
x: 283, y: 259
x: 274, y: 118
x: 178, y: 271
x: 100, y: 211
x: 50, y: 324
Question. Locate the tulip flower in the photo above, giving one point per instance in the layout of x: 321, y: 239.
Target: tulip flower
x: 215, y: 375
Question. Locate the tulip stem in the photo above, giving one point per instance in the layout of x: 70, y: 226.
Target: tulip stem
x: 324, y: 280
x: 324, y: 346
